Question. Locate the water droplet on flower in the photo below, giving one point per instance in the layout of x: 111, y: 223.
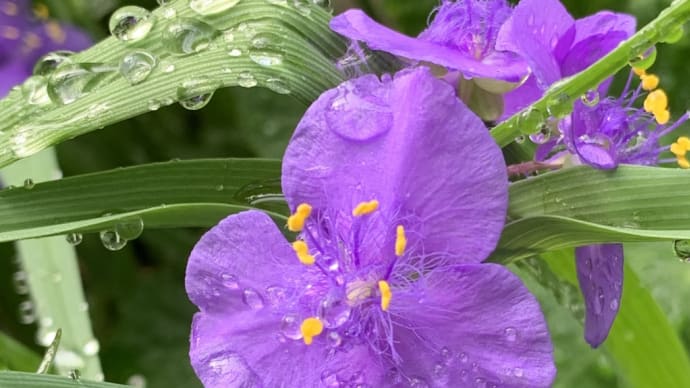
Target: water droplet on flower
x: 598, y: 302
x: 137, y: 66
x: 290, y: 326
x: 330, y: 379
x: 591, y: 98
x: 91, y: 348
x: 613, y: 305
x: 518, y: 372
x: 27, y: 315
x: 276, y: 295
x: 334, y: 312
x: 334, y: 339
x: 446, y: 353
x: 188, y: 36
x: 252, y: 299
x: 266, y: 59
x: 464, y: 358
x: 681, y: 248
x: 130, y: 23
x: 530, y: 121
x: 111, y: 240
x: 49, y: 62
x: 479, y: 382
x: 74, y: 239
x: 246, y: 80
x: 70, y: 82
x: 130, y: 229
x: 417, y: 382
x: 230, y: 281
x: 511, y: 334
x: 210, y: 7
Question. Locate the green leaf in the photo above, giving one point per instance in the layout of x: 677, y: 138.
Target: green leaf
x: 643, y: 344
x: 15, y: 356
x: 582, y: 205
x: 559, y: 98
x: 30, y: 380
x: 286, y: 47
x: 171, y: 194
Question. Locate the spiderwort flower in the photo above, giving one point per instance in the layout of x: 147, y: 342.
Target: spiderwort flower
x: 25, y: 37
x: 556, y: 46
x: 398, y: 193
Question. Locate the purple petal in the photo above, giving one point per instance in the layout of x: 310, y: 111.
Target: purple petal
x: 53, y: 36
x: 535, y: 30
x: 493, y: 330
x: 413, y: 146
x: 356, y: 25
x: 11, y: 74
x: 590, y: 50
x: 604, y: 23
x: 518, y: 99
x: 600, y: 273
x: 235, y: 263
x: 246, y: 349
x: 15, y: 19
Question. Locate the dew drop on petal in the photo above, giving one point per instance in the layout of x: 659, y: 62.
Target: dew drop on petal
x: 334, y: 312
x: 464, y: 358
x: 480, y: 382
x: 335, y: 339
x: 130, y: 23
x: 510, y: 334
x: 230, y: 281
x: 417, y: 382
x: 290, y: 326
x: 253, y: 299
x: 330, y: 379
x: 613, y: 305
x: 518, y: 372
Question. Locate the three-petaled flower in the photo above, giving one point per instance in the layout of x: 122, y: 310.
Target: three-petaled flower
x: 398, y: 193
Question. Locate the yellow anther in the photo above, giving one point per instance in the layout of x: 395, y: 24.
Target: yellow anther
x: 639, y: 71
x: 295, y: 222
x: 649, y: 81
x: 31, y: 42
x: 41, y: 11
x: 683, y: 162
x: 386, y: 294
x: 9, y: 8
x: 656, y: 101
x: 678, y: 150
x: 400, y: 240
x: 662, y: 117
x: 684, y: 141
x: 310, y: 328
x: 302, y: 251
x: 365, y: 208
x: 9, y: 32
x: 55, y: 32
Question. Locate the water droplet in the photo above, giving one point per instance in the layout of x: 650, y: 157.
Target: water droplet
x: 446, y: 353
x: 188, y: 36
x: 21, y: 282
x: 27, y: 315
x: 196, y: 102
x: 266, y: 58
x: 74, y: 374
x: 246, y: 80
x: 542, y: 136
x: 682, y: 250
x: 111, y: 240
x: 674, y: 36
x: 278, y: 85
x: 49, y: 62
x: 70, y: 82
x: 35, y: 90
x: 330, y: 379
x: 196, y: 93
x: 613, y: 305
x: 479, y: 382
x: 521, y: 139
x: 463, y: 357
x: 154, y: 105
x: 130, y: 23
x: 168, y: 12
x: 74, y: 238
x: 91, y: 348
x: 334, y: 312
x: 643, y: 57
x: 130, y: 229
x: 510, y: 334
x: 210, y: 7
x: 235, y: 52
x: 559, y: 106
x: 335, y: 339
x: 518, y: 372
x: 591, y: 98
x: 230, y: 281
x: 168, y: 67
x: 252, y: 299
x: 290, y: 327
x: 530, y: 121
x: 29, y: 183
x: 417, y: 382
x: 137, y: 66
x: 46, y: 338
x: 276, y: 295
x: 68, y: 359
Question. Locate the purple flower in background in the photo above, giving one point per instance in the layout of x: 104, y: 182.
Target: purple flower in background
x: 461, y: 37
x: 556, y: 46
x: 399, y: 193
x: 24, y: 38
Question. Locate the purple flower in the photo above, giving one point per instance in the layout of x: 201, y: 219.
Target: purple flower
x: 556, y: 46
x: 461, y: 37
x: 24, y: 38
x: 398, y: 193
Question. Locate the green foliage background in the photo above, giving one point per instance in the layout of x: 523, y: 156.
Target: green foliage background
x: 139, y: 309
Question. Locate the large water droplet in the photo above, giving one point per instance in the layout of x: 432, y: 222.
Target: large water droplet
x: 74, y: 238
x: 35, y: 90
x: 130, y: 23
x: 70, y: 82
x: 49, y: 62
x: 196, y: 93
x: 253, y: 299
x: 591, y: 98
x: 188, y: 36
x: 290, y: 326
x: 682, y: 250
x: 542, y: 136
x: 334, y: 312
x: 130, y: 229
x: 210, y: 7
x: 111, y: 240
x: 137, y: 66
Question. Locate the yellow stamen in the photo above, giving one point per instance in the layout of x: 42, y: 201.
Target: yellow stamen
x: 295, y: 222
x: 662, y: 117
x: 302, y: 251
x: 400, y: 240
x: 678, y: 150
x: 9, y: 32
x: 31, y: 42
x: 683, y: 162
x: 365, y: 208
x: 649, y: 81
x: 386, y: 294
x: 684, y: 141
x: 55, y: 32
x: 41, y: 11
x: 310, y: 328
x: 639, y: 71
x: 656, y: 101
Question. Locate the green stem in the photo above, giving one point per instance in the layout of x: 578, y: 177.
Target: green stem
x: 564, y: 93
x: 55, y: 282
